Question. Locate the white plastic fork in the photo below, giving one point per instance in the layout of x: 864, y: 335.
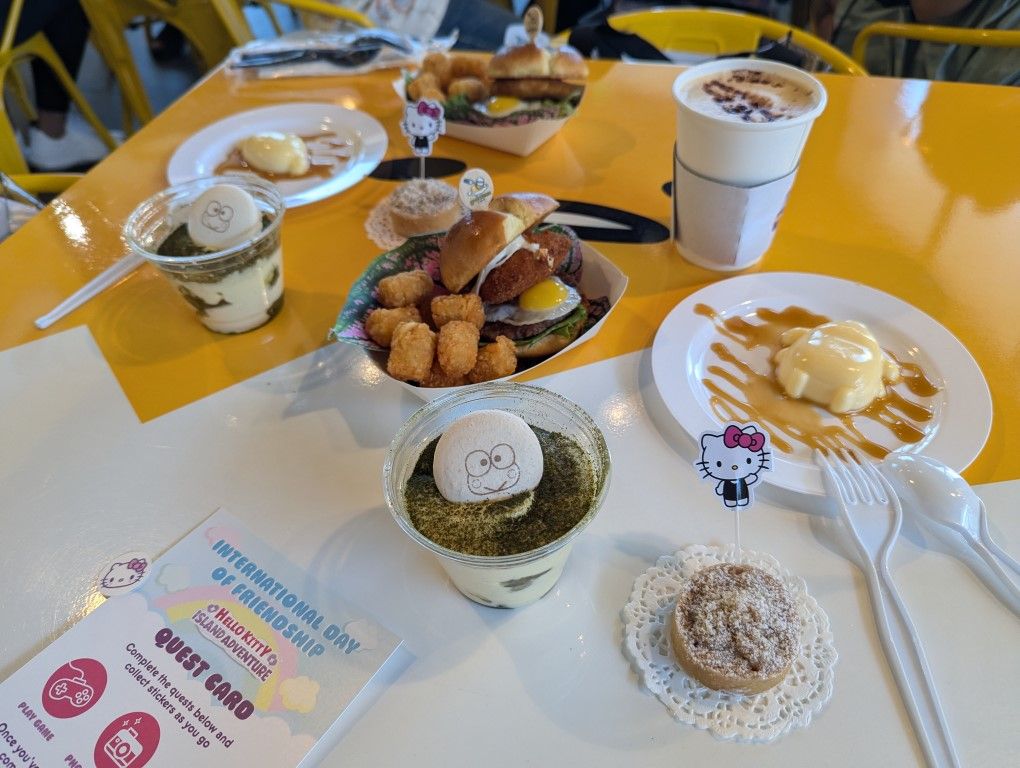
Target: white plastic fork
x: 872, y: 515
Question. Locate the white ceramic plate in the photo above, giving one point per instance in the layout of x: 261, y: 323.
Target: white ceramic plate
x: 681, y: 353
x: 199, y: 155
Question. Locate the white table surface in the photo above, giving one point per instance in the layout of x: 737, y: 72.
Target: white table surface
x: 297, y: 454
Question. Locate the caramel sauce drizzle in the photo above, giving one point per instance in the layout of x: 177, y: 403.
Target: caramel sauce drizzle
x: 788, y: 420
x: 326, y: 151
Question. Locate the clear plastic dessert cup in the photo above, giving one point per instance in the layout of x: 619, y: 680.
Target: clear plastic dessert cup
x: 233, y: 290
x: 507, y: 581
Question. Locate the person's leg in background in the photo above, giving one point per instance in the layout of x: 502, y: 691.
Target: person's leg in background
x: 481, y: 23
x: 53, y: 141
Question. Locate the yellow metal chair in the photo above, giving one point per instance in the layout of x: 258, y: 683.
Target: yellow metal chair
x: 212, y: 27
x: 996, y: 38
x: 304, y: 7
x: 198, y: 20
x: 36, y: 47
x: 717, y: 33
x: 45, y: 183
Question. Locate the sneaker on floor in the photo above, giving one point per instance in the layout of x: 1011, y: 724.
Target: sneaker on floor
x: 77, y: 147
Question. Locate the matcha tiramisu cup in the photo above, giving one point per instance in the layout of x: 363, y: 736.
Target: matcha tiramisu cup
x: 235, y: 284
x: 510, y: 551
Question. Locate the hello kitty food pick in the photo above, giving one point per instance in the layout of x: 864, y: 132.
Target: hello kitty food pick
x: 734, y: 459
x: 423, y: 123
x: 223, y: 216
x: 485, y: 456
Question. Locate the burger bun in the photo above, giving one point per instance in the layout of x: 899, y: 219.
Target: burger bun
x: 472, y: 242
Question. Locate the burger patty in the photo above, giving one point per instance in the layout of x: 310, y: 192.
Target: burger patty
x: 525, y: 268
x: 595, y: 310
x: 535, y: 88
x: 490, y: 331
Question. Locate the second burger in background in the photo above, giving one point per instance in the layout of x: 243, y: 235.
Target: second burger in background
x: 526, y: 273
x: 531, y: 73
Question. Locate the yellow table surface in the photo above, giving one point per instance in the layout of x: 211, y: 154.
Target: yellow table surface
x: 909, y: 186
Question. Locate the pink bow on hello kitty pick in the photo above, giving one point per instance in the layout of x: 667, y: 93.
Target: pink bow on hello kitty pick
x: 137, y: 564
x: 734, y: 436
x: 424, y: 108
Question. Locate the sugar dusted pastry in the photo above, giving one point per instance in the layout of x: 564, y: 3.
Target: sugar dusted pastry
x: 735, y: 628
x: 281, y: 154
x: 837, y: 365
x: 420, y: 206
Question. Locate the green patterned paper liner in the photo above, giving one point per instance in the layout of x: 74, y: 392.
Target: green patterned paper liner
x: 417, y: 253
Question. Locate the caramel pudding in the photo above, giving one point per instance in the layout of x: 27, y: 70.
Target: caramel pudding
x: 837, y: 365
x: 735, y: 628
x: 737, y: 391
x: 282, y: 154
x: 274, y: 156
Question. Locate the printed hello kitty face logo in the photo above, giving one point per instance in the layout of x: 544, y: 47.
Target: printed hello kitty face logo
x: 122, y: 576
x: 217, y: 216
x: 735, y: 459
x: 492, y: 471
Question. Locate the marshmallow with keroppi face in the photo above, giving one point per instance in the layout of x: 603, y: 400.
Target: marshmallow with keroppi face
x: 485, y: 456
x: 223, y: 216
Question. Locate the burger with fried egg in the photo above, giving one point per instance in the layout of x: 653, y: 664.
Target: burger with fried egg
x: 525, y: 83
x: 526, y: 272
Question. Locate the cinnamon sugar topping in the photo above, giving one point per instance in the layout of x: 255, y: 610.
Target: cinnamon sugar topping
x: 739, y: 620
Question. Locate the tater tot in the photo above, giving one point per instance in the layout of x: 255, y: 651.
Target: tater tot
x: 434, y: 94
x: 468, y: 66
x: 417, y: 87
x: 380, y: 323
x: 405, y: 288
x: 457, y: 348
x: 425, y: 310
x: 438, y: 64
x: 471, y: 87
x: 458, y: 306
x: 412, y: 351
x: 494, y: 361
x: 439, y: 378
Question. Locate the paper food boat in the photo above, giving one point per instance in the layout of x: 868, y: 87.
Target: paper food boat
x: 520, y: 140
x: 600, y: 278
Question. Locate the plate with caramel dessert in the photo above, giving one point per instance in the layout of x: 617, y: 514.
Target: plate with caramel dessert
x: 310, y: 151
x: 820, y: 363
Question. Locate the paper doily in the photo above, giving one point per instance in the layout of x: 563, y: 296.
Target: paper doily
x: 379, y: 229
x: 758, y: 718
